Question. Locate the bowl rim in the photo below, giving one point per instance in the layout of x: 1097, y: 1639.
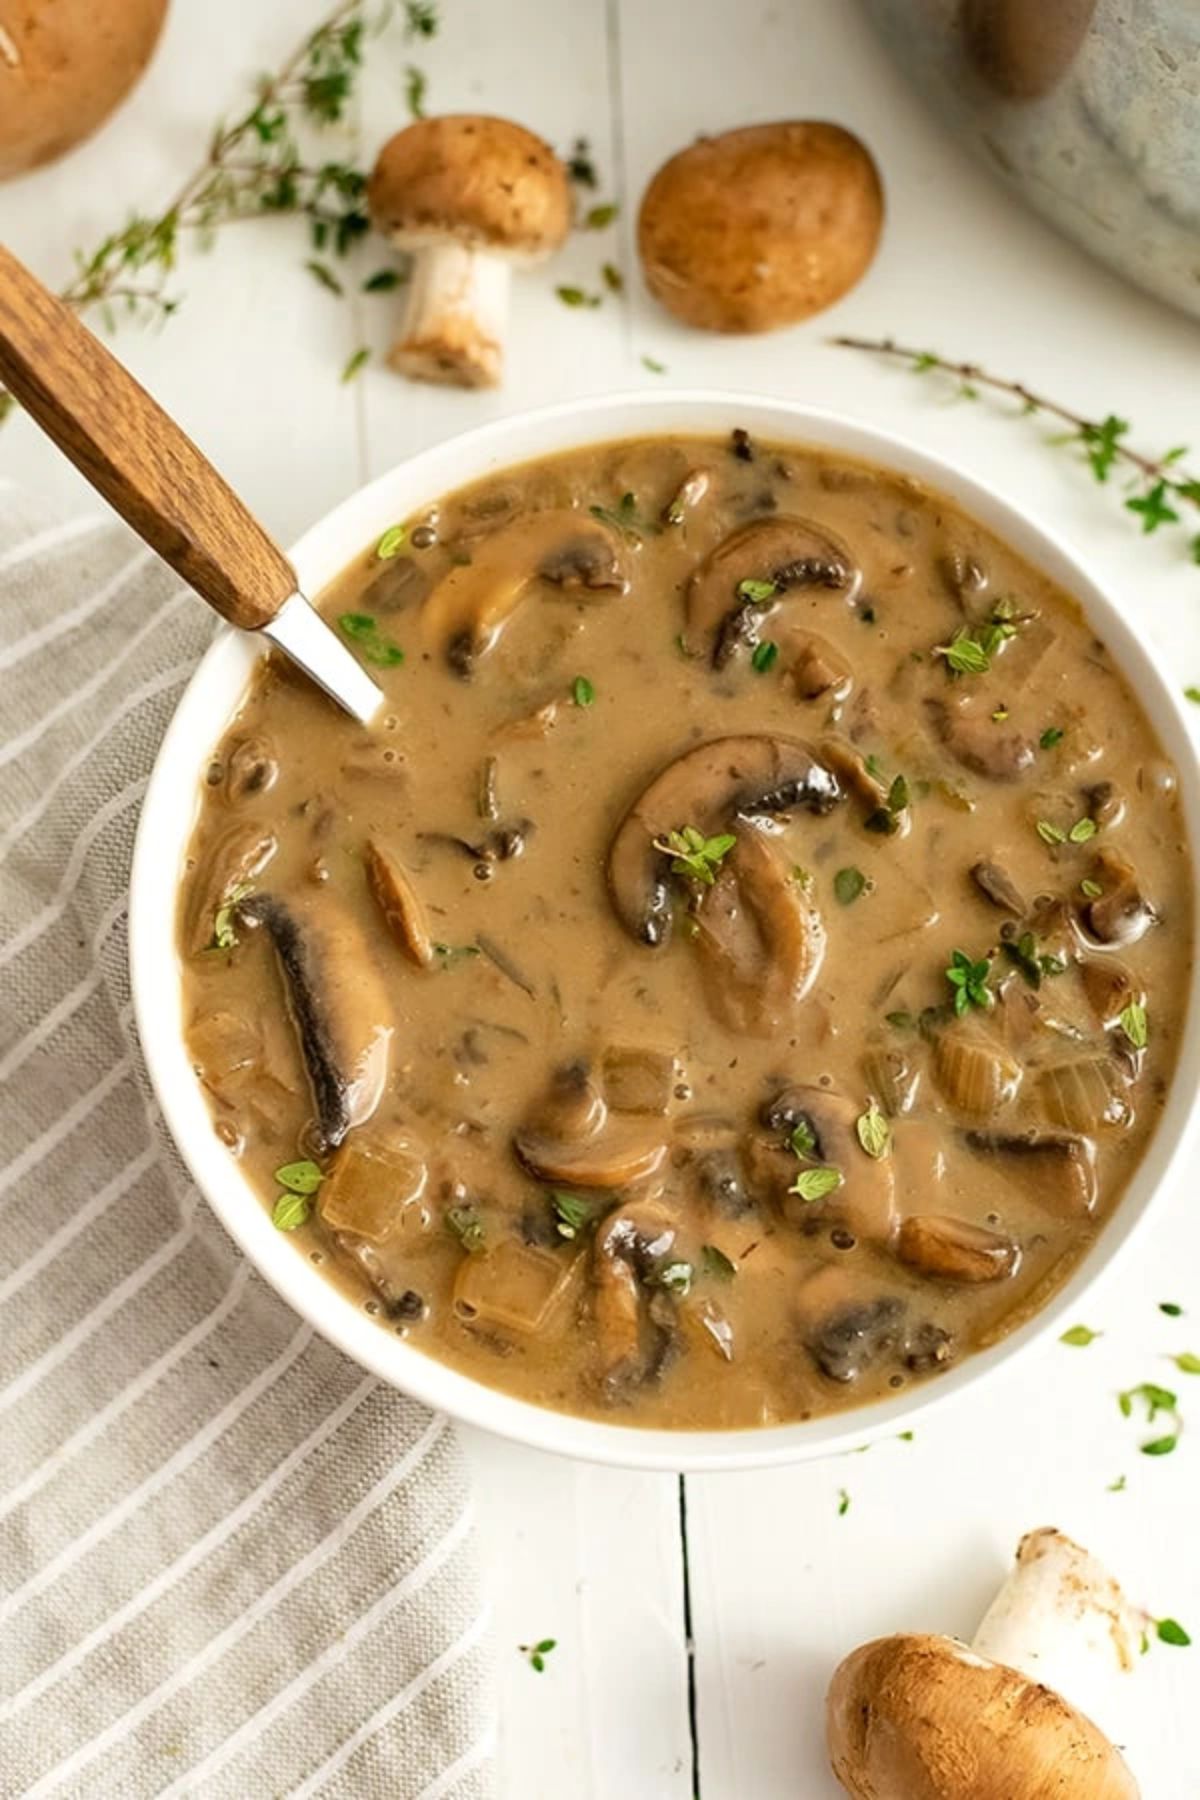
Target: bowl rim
x: 215, y: 691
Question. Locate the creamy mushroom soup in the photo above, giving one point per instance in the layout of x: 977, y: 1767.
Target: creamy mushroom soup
x: 740, y: 971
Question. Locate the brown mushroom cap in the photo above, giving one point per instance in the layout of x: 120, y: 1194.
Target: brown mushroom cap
x: 760, y: 227
x: 924, y: 1718
x: 64, y: 66
x: 478, y: 181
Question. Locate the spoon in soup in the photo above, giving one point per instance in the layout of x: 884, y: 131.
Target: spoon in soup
x: 151, y: 473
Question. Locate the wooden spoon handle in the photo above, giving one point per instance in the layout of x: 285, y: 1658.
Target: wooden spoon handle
x: 145, y: 466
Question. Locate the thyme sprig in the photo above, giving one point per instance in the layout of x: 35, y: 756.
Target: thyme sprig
x: 1167, y: 493
x: 257, y: 165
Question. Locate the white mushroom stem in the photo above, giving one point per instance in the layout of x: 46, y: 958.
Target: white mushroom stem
x: 453, y: 328
x: 1061, y: 1619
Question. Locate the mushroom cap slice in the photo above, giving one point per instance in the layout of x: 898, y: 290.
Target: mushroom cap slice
x: 482, y: 182
x: 402, y: 908
x: 614, y: 1157
x: 916, y: 1717
x: 955, y: 1249
x: 469, y: 607
x: 760, y: 227
x: 759, y: 938
x: 234, y: 860
x: 338, y: 1005
x: 976, y: 740
x: 786, y: 552
x: 749, y: 775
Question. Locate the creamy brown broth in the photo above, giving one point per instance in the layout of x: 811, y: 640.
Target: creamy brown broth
x: 562, y: 1091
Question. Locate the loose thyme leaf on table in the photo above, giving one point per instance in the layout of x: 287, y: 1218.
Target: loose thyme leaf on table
x: 1167, y: 492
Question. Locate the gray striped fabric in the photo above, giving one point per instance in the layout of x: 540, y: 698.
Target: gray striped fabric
x: 231, y: 1563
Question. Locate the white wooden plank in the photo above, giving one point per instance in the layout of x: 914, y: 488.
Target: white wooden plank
x: 589, y: 1557
x: 781, y: 1585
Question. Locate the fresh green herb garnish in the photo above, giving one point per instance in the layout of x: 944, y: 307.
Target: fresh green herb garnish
x: 676, y: 1277
x: 1091, y: 889
x: 969, y: 980
x: 598, y: 218
x: 382, y: 281
x: 843, y: 1503
x: 906, y: 1437
x: 874, y: 1132
x: 374, y: 645
x: 1050, y: 834
x: 571, y: 1213
x: 972, y: 655
x: 300, y: 1177
x: 815, y: 1184
x: 580, y: 167
x: 757, y: 593
x: 452, y: 953
x: 886, y: 818
x: 764, y: 657
x: 1153, y: 506
x: 612, y: 278
x: 290, y: 1212
x: 391, y: 542
x: 801, y: 1140
x: 1172, y: 1309
x: 1165, y: 485
x: 1134, y: 1023
x: 300, y: 1181
x: 1080, y: 1336
x: 415, y: 87
x: 1117, y: 1486
x: 653, y: 365
x: 1082, y: 830
x: 322, y: 273
x: 717, y: 1264
x: 577, y: 296
x: 1187, y: 1362
x: 623, y: 517
x: 224, y: 935
x: 1156, y: 1400
x: 1170, y: 1631
x: 1000, y: 714
x: 465, y: 1223
x: 901, y: 1021
x: 1023, y: 951
x: 1193, y: 694
x: 848, y: 884
x: 537, y: 1653
x: 964, y: 655
x: 1052, y: 735
x: 360, y: 357
x: 582, y: 691
x: 694, y: 855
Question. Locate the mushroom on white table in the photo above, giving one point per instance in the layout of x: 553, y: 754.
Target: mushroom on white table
x: 470, y: 198
x: 1010, y: 1717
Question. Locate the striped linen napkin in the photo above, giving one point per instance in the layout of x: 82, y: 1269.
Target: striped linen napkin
x: 230, y: 1563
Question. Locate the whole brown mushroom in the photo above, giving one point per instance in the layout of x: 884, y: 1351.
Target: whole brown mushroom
x: 470, y: 198
x: 760, y: 227
x: 64, y: 66
x: 928, y: 1718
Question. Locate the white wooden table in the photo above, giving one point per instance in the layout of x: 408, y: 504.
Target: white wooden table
x: 697, y: 1622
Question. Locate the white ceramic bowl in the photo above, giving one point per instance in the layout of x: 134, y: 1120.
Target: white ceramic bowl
x: 169, y: 813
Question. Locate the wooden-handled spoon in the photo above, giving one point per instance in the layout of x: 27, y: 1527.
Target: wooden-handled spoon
x: 153, y: 475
